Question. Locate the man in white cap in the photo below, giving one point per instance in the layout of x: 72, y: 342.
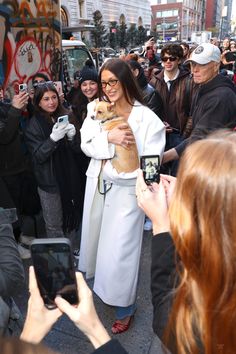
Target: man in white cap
x: 214, y: 105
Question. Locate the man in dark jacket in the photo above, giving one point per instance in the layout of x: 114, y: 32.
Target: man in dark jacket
x: 214, y: 104
x: 12, y: 159
x: 175, y: 86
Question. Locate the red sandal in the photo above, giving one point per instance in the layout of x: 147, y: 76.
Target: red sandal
x: 119, y: 327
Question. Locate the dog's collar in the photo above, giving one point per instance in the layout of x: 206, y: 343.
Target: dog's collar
x: 105, y: 120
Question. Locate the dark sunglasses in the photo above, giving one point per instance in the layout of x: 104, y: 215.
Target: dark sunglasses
x: 169, y: 58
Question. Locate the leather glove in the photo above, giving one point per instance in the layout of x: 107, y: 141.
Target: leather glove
x: 58, y: 131
x: 71, y: 131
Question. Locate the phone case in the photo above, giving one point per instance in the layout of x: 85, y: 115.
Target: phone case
x: 54, y: 270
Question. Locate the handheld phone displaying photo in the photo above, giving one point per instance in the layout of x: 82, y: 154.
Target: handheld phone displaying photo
x: 22, y: 87
x: 150, y: 165
x: 54, y: 270
x: 62, y: 119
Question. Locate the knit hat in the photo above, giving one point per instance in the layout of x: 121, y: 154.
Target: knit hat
x: 88, y: 72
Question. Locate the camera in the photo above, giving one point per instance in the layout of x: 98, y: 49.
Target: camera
x: 150, y: 165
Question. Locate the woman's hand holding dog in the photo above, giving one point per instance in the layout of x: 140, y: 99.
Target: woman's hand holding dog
x: 121, y: 135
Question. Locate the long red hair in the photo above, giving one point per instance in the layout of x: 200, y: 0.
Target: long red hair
x: 203, y: 227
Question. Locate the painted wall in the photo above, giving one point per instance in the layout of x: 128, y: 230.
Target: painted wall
x: 30, y: 41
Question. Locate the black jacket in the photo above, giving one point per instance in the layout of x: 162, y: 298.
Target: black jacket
x: 177, y: 101
x: 111, y: 347
x: 41, y: 149
x: 163, y: 271
x: 11, y: 267
x: 213, y: 107
x: 12, y: 159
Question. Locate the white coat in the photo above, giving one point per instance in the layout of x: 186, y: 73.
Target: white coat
x: 112, y: 225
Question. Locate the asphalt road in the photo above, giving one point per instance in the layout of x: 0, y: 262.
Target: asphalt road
x: 67, y: 339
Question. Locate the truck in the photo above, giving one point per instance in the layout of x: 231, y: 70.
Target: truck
x: 31, y: 42
x: 201, y: 37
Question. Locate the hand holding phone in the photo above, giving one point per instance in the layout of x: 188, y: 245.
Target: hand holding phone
x: 54, y: 270
x: 150, y: 165
x: 39, y: 319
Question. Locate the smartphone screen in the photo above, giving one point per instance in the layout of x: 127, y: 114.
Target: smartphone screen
x: 54, y: 270
x: 151, y: 168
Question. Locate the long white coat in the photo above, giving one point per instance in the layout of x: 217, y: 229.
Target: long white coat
x: 112, y: 225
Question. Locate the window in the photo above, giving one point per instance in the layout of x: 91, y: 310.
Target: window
x: 167, y: 13
x: 75, y: 59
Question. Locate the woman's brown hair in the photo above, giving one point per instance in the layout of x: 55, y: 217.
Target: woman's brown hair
x: 203, y: 227
x: 38, y: 95
x: 126, y: 78
x: 13, y: 345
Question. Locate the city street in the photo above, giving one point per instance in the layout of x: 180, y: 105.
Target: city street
x: 67, y: 339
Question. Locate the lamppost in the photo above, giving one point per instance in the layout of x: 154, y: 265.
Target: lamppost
x: 163, y: 28
x: 223, y: 15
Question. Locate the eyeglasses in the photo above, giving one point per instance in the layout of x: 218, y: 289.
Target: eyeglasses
x: 169, y: 58
x: 111, y: 83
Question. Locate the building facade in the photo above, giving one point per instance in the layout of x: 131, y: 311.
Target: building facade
x: 177, y: 19
x: 77, y: 15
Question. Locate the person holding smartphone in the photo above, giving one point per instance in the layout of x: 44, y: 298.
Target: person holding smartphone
x: 193, y: 248
x: 54, y: 146
x: 112, y: 226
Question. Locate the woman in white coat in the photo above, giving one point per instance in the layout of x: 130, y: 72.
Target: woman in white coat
x: 112, y: 225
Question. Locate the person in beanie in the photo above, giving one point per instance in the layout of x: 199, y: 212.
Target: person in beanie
x: 86, y: 82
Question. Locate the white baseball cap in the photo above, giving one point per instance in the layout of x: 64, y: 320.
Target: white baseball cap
x: 205, y: 53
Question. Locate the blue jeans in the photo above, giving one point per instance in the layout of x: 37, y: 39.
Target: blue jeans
x: 122, y: 312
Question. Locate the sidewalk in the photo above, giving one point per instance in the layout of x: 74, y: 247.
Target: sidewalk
x: 67, y: 339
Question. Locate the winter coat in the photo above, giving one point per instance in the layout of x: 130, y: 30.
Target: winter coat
x: 12, y: 159
x: 177, y: 101
x: 213, y: 107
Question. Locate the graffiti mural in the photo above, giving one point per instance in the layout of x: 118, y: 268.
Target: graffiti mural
x: 30, y: 41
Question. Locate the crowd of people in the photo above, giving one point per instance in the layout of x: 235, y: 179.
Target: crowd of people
x: 184, y: 111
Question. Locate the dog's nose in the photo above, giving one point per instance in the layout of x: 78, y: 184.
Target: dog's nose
x: 93, y: 117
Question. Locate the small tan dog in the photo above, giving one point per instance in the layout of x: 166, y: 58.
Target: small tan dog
x: 125, y: 159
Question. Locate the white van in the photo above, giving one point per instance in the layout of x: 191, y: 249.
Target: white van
x: 75, y: 54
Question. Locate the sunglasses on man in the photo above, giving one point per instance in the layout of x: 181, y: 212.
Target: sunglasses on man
x: 165, y: 59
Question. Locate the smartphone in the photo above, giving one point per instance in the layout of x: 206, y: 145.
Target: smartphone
x: 22, y: 87
x: 58, y: 85
x: 62, y: 119
x: 150, y: 165
x: 230, y: 56
x: 54, y: 269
